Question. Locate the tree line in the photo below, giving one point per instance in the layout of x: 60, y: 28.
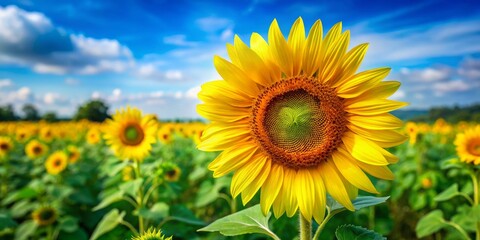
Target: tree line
x: 453, y: 114
x: 93, y: 110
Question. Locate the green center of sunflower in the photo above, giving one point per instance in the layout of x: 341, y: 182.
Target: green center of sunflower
x: 133, y: 135
x: 298, y: 121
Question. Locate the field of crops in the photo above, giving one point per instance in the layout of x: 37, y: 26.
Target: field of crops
x: 62, y: 181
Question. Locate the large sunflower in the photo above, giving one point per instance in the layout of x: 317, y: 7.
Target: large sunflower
x: 468, y: 145
x: 130, y: 135
x: 295, y: 121
x: 56, y: 162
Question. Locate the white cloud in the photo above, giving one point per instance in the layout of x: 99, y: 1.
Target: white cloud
x: 6, y: 82
x: 430, y: 74
x: 213, y: 24
x: 50, y: 98
x: 173, y: 74
x: 451, y: 86
x: 96, y: 95
x: 399, y: 94
x: 192, y: 92
x: 71, y: 81
x: 30, y: 39
x: 179, y: 40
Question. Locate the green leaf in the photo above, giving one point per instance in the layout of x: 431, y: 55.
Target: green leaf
x: 467, y: 217
x: 24, y: 193
x: 359, y: 202
x: 156, y: 212
x: 25, y: 230
x: 430, y: 223
x: 117, y: 196
x: 351, y: 232
x: 131, y: 187
x: 448, y: 193
x: 21, y: 208
x: 69, y: 224
x: 6, y: 222
x: 108, y: 222
x: 250, y: 220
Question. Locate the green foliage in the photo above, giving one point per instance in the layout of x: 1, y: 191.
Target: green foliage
x: 452, y: 114
x: 30, y: 112
x: 108, y: 223
x: 93, y: 110
x: 7, y: 113
x: 250, y: 220
x: 351, y: 232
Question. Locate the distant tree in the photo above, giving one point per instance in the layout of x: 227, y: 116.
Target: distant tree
x: 50, y: 117
x: 7, y: 113
x: 94, y: 110
x: 30, y: 112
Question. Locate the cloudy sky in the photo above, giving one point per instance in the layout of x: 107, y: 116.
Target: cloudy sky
x: 155, y: 54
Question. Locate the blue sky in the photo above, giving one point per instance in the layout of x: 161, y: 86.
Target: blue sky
x: 155, y: 54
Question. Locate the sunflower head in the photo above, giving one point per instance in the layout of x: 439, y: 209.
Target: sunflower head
x: 93, y: 136
x: 56, y: 162
x: 164, y: 134
x: 130, y: 135
x: 46, y: 134
x: 6, y: 146
x: 44, y: 216
x: 35, y: 149
x: 23, y: 134
x: 170, y: 171
x: 296, y: 121
x: 73, y: 153
x: 468, y: 145
x: 152, y: 234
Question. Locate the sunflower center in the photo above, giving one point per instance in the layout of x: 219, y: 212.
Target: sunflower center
x: 133, y: 135
x: 37, y: 149
x: 474, y: 147
x: 46, y: 214
x: 298, y: 121
x: 4, y: 146
x: 57, y: 162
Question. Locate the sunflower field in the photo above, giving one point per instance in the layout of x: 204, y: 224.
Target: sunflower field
x: 62, y: 181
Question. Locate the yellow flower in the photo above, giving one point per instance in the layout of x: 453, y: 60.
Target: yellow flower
x: 173, y: 174
x: 44, y: 216
x: 23, y: 134
x: 412, y: 130
x: 35, y: 149
x: 73, y: 154
x: 6, y: 146
x: 295, y: 122
x: 130, y: 135
x: 152, y: 234
x: 165, y: 134
x: 46, y: 134
x: 93, y: 136
x: 468, y: 145
x: 56, y: 162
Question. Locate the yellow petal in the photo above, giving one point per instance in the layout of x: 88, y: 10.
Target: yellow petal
x: 251, y: 63
x: 374, y: 107
x: 235, y: 77
x: 363, y: 149
x: 260, y: 46
x: 246, y: 175
x: 313, y: 47
x: 381, y: 90
x: 350, y: 64
x: 330, y: 70
x: 222, y: 112
x: 320, y: 195
x: 280, y: 49
x: 305, y: 191
x: 271, y: 188
x: 361, y: 82
x: 334, y: 184
x: 279, y: 203
x: 350, y: 171
x: 381, y: 172
x: 383, y: 138
x: 223, y: 90
x: 219, y: 138
x: 384, y: 121
x: 296, y: 41
x: 291, y: 204
x: 232, y: 159
x: 252, y: 189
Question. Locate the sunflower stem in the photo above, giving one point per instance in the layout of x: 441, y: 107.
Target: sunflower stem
x: 329, y: 216
x: 305, y: 228
x: 476, y: 197
x: 141, y: 226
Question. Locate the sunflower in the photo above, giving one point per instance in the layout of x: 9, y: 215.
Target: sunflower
x: 171, y: 172
x: 6, y: 146
x: 44, y: 216
x: 56, y: 162
x: 412, y: 130
x: 35, y: 149
x: 73, y: 154
x: 23, y: 134
x: 164, y: 134
x: 130, y: 135
x: 46, y: 134
x: 468, y: 145
x: 295, y: 121
x: 93, y: 136
x: 152, y: 234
